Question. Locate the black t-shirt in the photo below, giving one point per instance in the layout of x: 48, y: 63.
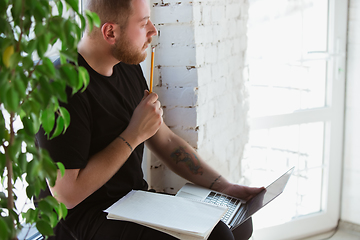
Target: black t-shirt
x: 98, y: 116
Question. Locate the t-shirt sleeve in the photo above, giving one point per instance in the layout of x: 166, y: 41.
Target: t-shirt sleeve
x: 72, y: 147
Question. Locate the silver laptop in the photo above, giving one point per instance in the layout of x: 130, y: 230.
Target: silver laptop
x: 238, y: 210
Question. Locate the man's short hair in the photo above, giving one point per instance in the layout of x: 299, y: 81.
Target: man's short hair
x: 112, y: 11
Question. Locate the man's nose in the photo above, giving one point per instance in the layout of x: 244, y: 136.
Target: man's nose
x: 152, y: 30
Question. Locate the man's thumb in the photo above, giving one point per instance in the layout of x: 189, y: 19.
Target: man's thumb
x: 146, y: 93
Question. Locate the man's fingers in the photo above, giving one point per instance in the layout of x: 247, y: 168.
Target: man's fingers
x: 150, y: 97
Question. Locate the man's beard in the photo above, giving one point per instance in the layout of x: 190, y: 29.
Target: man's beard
x: 127, y: 53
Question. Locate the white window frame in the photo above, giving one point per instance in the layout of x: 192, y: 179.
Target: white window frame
x: 333, y: 116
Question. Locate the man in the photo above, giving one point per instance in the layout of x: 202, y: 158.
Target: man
x: 110, y: 122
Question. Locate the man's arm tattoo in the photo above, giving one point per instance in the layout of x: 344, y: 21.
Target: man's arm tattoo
x: 191, y: 161
x: 212, y: 184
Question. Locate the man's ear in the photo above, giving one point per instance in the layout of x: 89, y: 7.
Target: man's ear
x: 108, y: 32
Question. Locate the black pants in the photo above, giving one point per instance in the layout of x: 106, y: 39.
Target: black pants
x: 118, y: 230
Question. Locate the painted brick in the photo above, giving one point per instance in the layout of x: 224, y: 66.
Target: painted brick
x: 183, y: 76
x: 176, y: 35
x: 176, y: 56
x: 233, y: 11
x: 218, y: 13
x: 183, y: 97
x: 200, y: 58
x: 211, y: 54
x: 205, y: 72
x: 172, y: 14
x: 180, y: 117
x: 206, y: 15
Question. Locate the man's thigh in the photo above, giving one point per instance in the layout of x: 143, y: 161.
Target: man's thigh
x: 244, y: 231
x: 122, y: 230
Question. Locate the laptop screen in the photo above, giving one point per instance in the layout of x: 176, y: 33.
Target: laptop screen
x: 267, y: 195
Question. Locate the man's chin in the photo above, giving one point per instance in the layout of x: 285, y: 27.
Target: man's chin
x: 134, y: 60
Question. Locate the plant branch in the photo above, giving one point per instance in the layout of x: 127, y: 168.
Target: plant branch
x: 21, y: 26
x: 10, y: 200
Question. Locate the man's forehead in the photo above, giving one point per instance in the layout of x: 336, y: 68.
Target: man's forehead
x: 140, y: 10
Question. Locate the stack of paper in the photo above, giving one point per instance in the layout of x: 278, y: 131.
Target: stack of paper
x: 179, y: 217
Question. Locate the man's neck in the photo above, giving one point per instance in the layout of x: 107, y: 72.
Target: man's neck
x: 98, y: 55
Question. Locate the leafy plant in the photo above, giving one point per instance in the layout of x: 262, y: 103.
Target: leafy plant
x: 30, y: 92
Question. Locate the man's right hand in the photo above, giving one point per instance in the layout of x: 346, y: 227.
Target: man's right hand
x: 145, y: 121
x: 78, y: 184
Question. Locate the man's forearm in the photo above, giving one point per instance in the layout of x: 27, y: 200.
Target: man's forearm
x: 181, y: 158
x: 78, y: 184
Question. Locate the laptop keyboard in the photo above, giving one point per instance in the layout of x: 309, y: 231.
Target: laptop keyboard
x: 222, y: 200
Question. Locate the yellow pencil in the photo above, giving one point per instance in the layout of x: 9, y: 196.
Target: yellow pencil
x: 152, y: 69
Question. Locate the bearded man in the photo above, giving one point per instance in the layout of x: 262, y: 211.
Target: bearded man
x: 111, y: 120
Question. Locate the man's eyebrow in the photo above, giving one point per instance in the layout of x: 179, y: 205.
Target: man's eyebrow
x: 144, y: 18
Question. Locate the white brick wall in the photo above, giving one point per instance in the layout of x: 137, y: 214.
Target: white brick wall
x: 199, y: 64
x: 351, y: 194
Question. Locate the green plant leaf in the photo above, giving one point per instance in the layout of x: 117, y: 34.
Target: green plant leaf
x: 59, y: 127
x: 22, y: 162
x: 44, y: 217
x: 27, y: 62
x: 70, y: 40
x: 14, y: 149
x: 83, y: 77
x: 89, y: 19
x: 83, y: 22
x: 2, y: 127
x: 50, y: 168
x: 78, y: 35
x: 38, y: 183
x: 12, y: 99
x: 14, y: 60
x: 47, y: 120
x: 52, y: 201
x: 32, y: 170
x: 16, y: 9
x: 39, y: 12
x: 44, y: 82
x: 20, y: 87
x: 35, y: 120
x: 30, y: 215
x: 45, y: 207
x: 56, y: 24
x: 66, y: 115
x: 63, y: 211
x: 96, y: 19
x: 53, y: 219
x: 61, y: 167
x: 2, y: 162
x: 30, y: 190
x: 4, y: 231
x: 39, y: 29
x: 44, y: 228
x: 73, y: 4
x: 27, y: 23
x: 60, y: 7
x: 68, y: 54
x: 28, y: 126
x: 3, y: 7
x: 43, y: 44
x: 37, y: 97
x: 59, y: 90
x: 31, y: 46
x: 69, y: 74
x: 49, y: 67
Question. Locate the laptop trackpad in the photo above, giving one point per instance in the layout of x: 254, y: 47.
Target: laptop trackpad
x: 193, y: 192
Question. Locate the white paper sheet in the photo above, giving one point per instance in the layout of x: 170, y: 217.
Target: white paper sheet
x: 168, y: 212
